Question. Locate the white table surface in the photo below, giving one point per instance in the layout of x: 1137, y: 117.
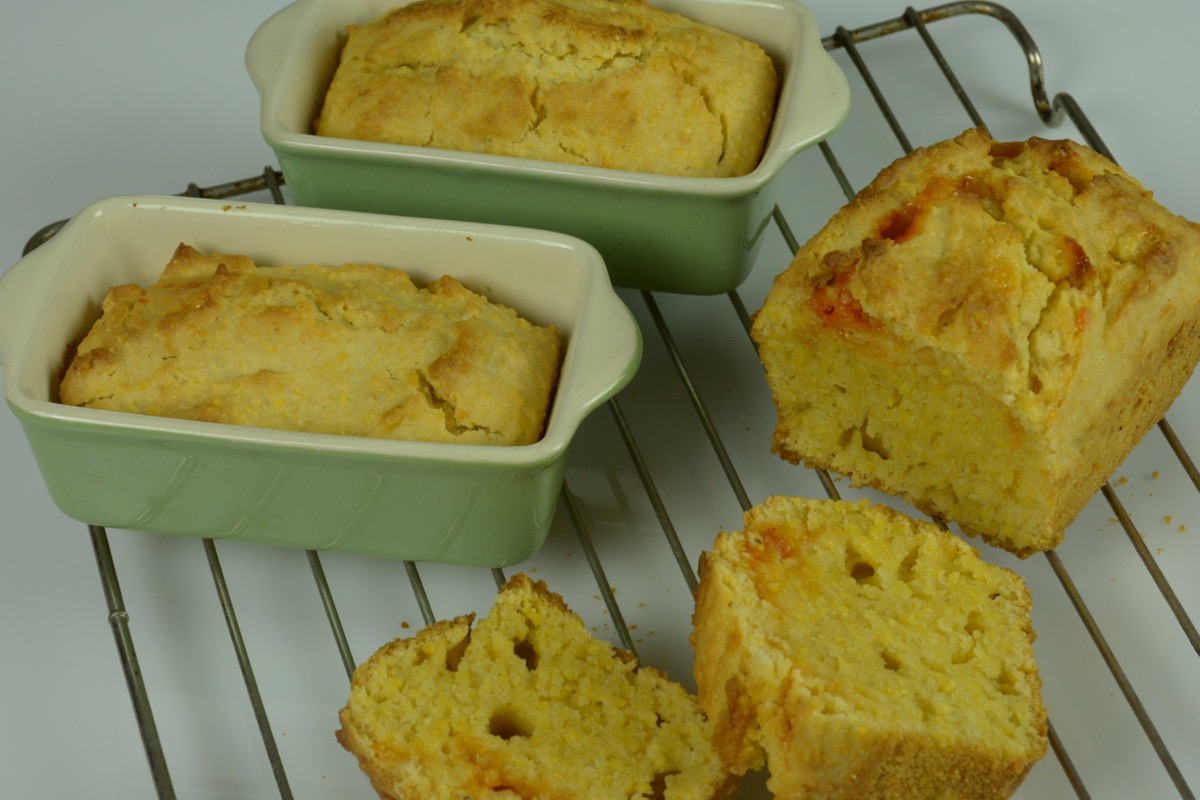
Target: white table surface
x: 134, y: 96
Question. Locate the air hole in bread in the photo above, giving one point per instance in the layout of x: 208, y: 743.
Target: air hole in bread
x: 454, y: 654
x: 889, y: 661
x: 863, y: 572
x: 859, y: 568
x: 946, y: 318
x: 658, y: 785
x: 1006, y: 682
x: 526, y: 652
x: 874, y: 444
x: 974, y: 623
x: 907, y: 570
x: 846, y: 437
x: 507, y: 724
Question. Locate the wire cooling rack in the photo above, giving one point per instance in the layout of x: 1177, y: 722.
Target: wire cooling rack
x: 685, y: 448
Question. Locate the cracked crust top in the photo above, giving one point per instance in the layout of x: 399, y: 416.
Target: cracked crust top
x: 607, y: 83
x: 356, y: 350
x: 1001, y: 253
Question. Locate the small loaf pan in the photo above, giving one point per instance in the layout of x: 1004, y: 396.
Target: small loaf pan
x: 466, y: 504
x: 655, y: 232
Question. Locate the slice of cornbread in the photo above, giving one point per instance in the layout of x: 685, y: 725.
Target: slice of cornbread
x: 525, y: 704
x: 860, y: 654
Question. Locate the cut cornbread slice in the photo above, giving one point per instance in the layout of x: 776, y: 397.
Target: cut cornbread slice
x: 859, y: 654
x: 986, y: 330
x: 525, y: 704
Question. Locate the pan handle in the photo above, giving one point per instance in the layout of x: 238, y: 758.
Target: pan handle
x: 17, y: 287
x: 268, y: 42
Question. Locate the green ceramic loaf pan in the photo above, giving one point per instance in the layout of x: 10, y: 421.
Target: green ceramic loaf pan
x: 465, y: 504
x: 655, y: 232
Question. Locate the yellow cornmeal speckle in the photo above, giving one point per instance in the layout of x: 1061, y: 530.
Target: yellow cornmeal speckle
x: 528, y: 704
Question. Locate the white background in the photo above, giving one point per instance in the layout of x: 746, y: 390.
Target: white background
x: 132, y: 96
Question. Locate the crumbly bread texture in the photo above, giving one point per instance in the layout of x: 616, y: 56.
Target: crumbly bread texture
x: 357, y: 349
x: 525, y: 704
x: 863, y: 655
x: 605, y: 83
x: 986, y: 330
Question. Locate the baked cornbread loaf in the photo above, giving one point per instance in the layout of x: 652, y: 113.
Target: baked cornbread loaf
x: 525, y: 704
x: 357, y: 349
x: 605, y: 83
x: 986, y: 330
x: 864, y: 655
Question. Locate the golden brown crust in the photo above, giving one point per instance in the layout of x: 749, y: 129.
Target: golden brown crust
x: 608, y: 83
x: 985, y: 330
x: 861, y: 654
x: 356, y: 350
x: 525, y: 704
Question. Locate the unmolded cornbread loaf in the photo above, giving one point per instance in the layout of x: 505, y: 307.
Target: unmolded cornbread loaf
x: 864, y: 655
x: 357, y: 349
x: 606, y: 83
x: 986, y: 330
x: 525, y: 704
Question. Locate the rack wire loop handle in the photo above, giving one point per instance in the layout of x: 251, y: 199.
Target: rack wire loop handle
x: 270, y: 180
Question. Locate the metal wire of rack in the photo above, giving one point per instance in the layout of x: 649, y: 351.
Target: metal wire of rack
x: 850, y: 44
